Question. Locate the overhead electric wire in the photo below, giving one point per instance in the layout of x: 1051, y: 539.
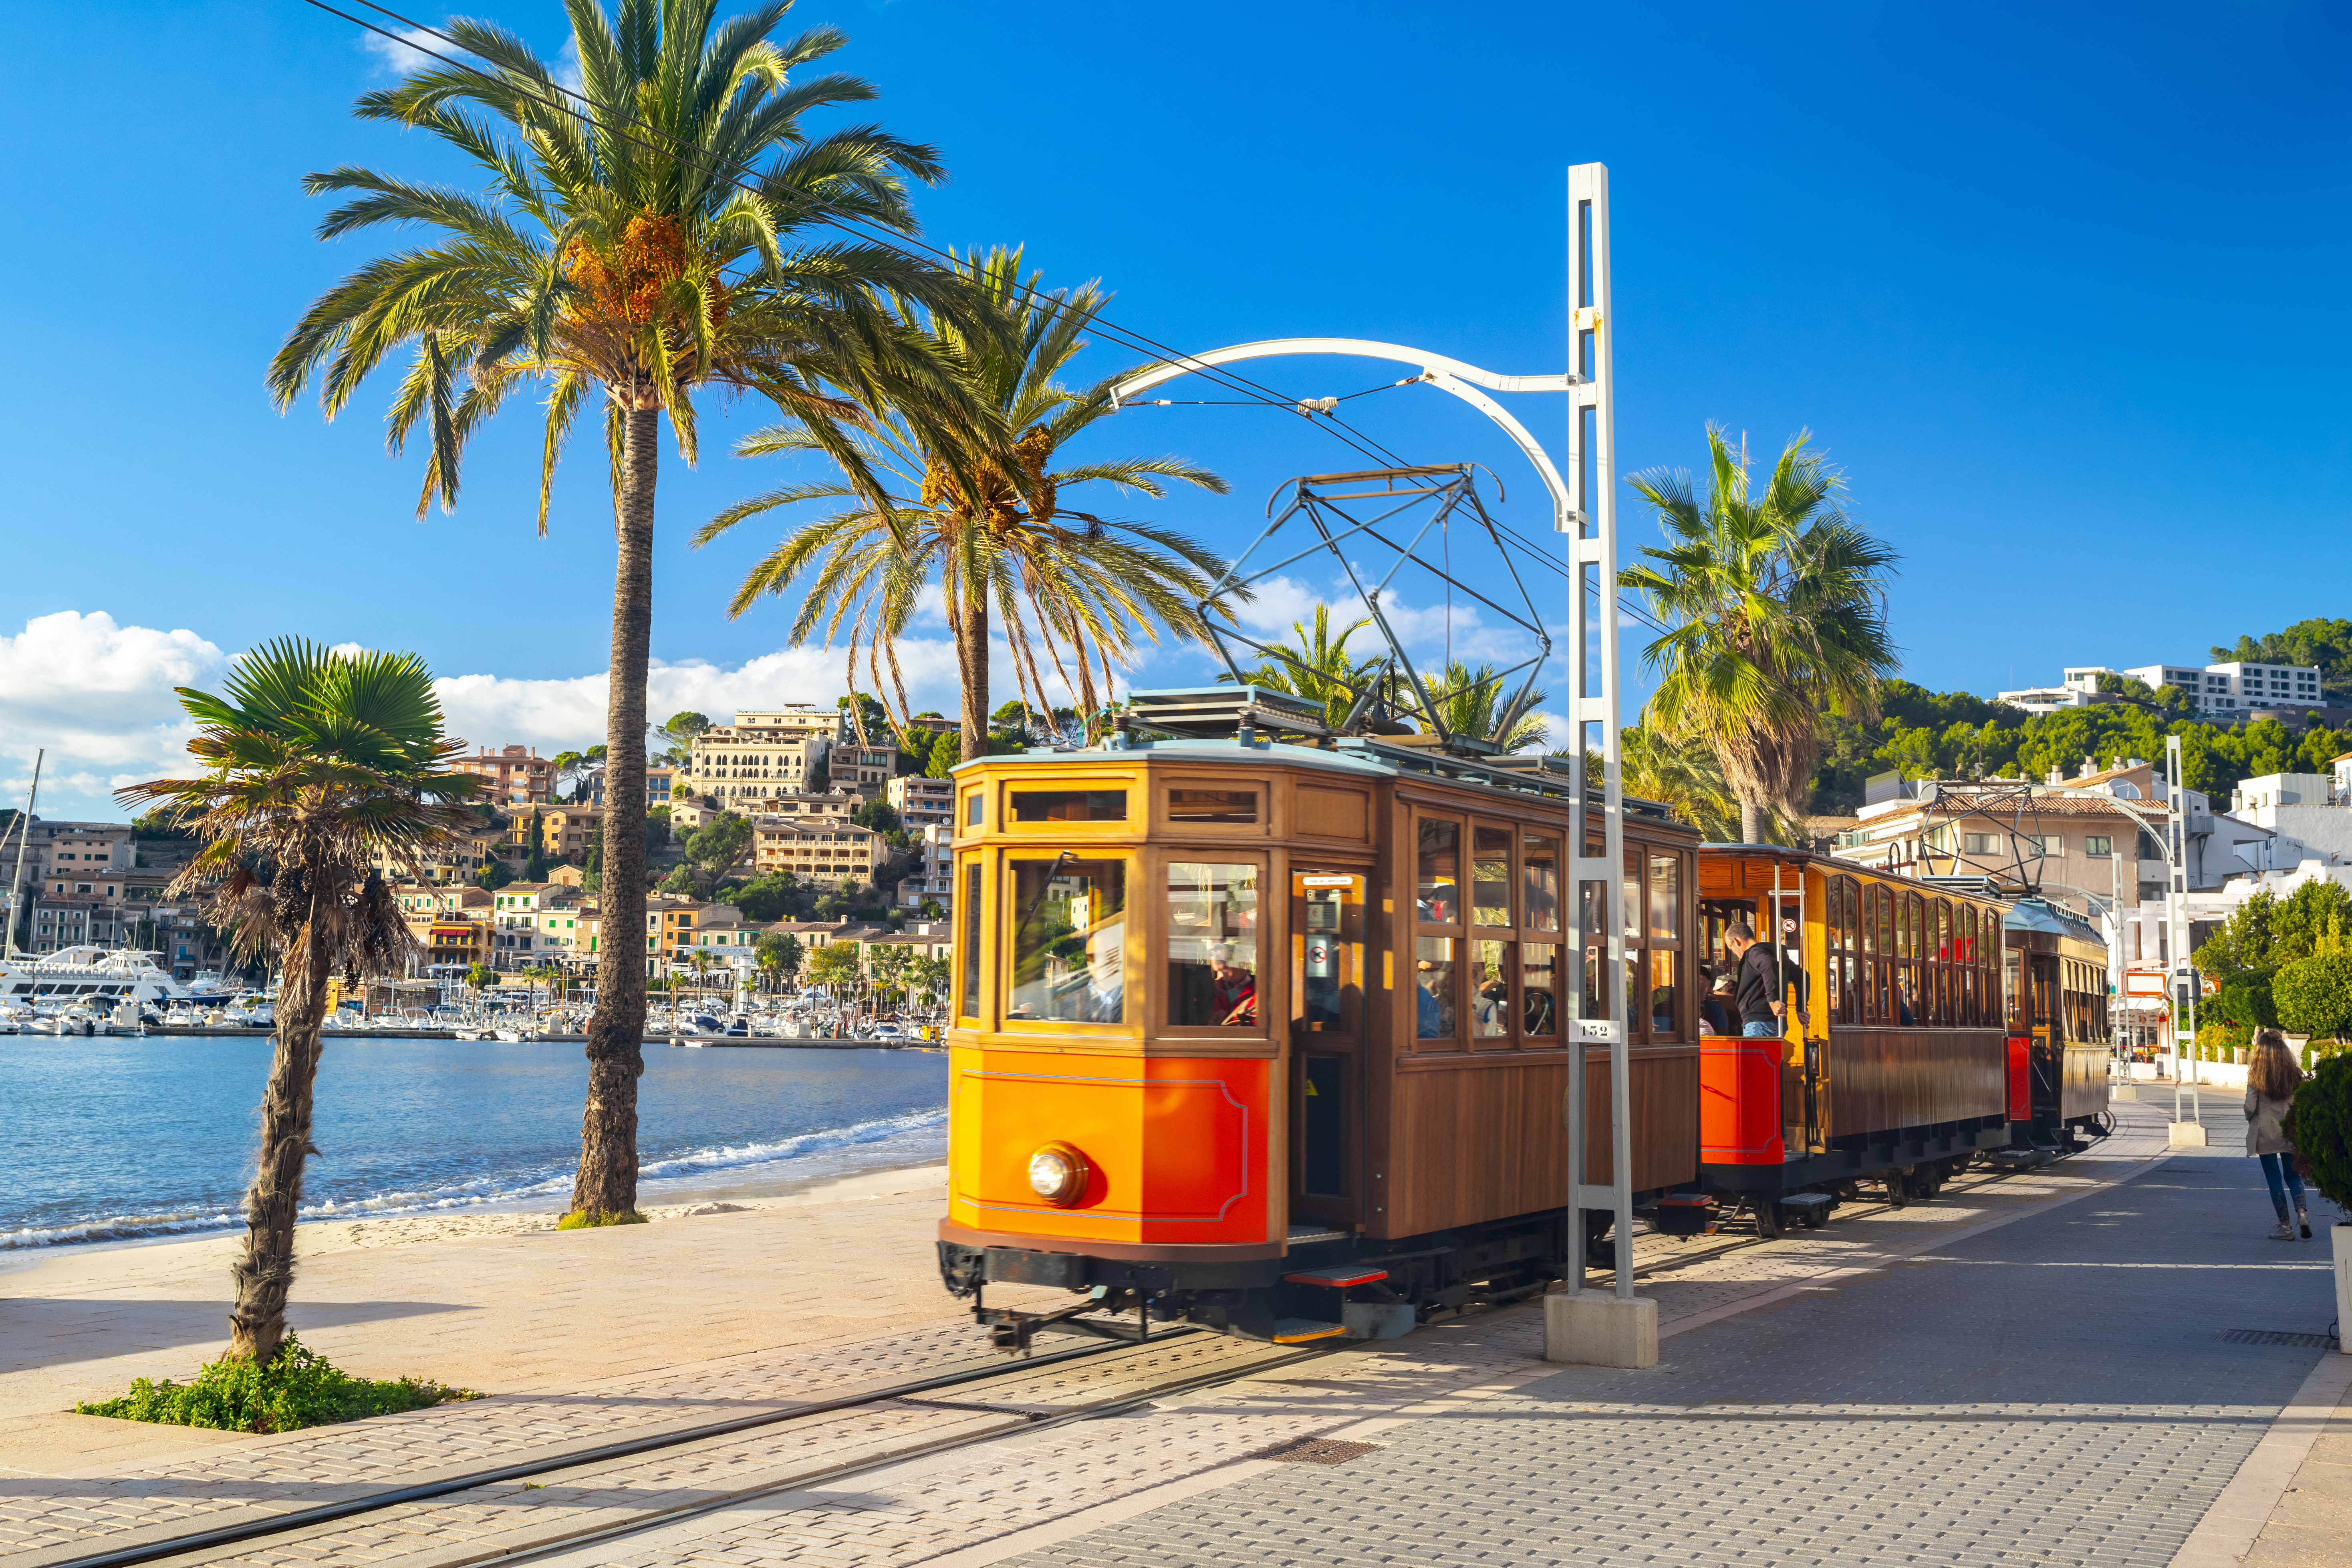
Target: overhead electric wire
x: 736, y: 173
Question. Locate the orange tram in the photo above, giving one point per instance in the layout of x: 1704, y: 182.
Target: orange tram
x: 1268, y: 1037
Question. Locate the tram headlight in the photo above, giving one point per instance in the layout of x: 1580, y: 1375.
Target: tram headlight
x: 1058, y: 1173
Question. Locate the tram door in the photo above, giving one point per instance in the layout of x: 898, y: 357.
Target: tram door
x: 1326, y: 1037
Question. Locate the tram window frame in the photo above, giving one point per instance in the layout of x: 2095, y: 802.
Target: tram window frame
x: 1965, y: 958
x: 1132, y: 954
x: 1996, y: 944
x: 1437, y: 942
x: 974, y: 881
x: 1940, y: 948
x: 1653, y: 946
x: 1161, y: 939
x: 1256, y: 824
x: 1093, y: 791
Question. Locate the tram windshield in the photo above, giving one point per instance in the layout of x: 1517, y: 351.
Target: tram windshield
x: 1213, y: 945
x: 1069, y: 940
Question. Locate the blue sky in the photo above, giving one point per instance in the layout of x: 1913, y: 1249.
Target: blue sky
x: 2057, y: 285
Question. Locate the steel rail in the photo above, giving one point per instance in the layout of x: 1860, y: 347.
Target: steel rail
x: 327, y: 1513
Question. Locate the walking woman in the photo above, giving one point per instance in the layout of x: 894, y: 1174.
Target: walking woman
x: 2271, y: 1084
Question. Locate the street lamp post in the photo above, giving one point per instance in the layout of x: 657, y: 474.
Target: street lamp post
x: 2182, y: 974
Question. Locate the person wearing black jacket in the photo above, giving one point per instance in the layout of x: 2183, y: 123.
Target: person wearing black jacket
x: 1760, y: 993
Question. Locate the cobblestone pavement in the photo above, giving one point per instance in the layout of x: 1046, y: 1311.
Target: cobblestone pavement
x: 983, y: 1505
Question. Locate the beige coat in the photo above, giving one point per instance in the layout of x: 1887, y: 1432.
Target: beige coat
x: 2263, y: 1133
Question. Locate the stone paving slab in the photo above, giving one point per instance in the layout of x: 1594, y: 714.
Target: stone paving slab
x: 990, y: 1504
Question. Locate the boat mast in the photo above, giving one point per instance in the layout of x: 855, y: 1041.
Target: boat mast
x: 24, y: 836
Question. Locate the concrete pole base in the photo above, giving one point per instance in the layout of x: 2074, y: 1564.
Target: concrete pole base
x: 2188, y: 1135
x: 1594, y: 1327
x: 2124, y: 1091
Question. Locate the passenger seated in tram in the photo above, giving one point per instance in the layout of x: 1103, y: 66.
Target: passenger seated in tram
x: 1432, y: 1002
x: 1715, y: 1007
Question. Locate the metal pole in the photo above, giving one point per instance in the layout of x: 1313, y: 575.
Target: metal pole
x: 2181, y: 975
x: 24, y: 837
x: 1591, y: 524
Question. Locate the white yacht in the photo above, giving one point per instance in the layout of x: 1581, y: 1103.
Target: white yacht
x: 101, y: 976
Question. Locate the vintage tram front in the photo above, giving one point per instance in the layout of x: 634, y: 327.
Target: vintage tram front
x: 1268, y: 1036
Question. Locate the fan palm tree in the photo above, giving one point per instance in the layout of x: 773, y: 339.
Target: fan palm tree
x: 1315, y: 665
x: 614, y: 257
x: 1470, y: 700
x: 1776, y: 609
x: 320, y: 768
x: 1682, y: 774
x: 1079, y: 588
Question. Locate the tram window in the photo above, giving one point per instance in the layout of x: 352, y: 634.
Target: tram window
x: 1069, y: 806
x: 971, y: 924
x: 1539, y: 879
x: 1213, y: 945
x: 1195, y: 806
x: 1323, y: 1163
x: 1069, y: 940
x: 2013, y: 1005
x: 1490, y: 877
x: 1965, y: 953
x: 1327, y: 995
x: 1490, y: 988
x: 971, y: 807
x: 1437, y: 892
x: 1590, y: 915
x: 1665, y: 896
x: 1665, y: 976
x: 1539, y: 990
x: 1435, y: 1015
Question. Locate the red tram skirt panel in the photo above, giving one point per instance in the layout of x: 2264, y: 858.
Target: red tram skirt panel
x: 1739, y: 1100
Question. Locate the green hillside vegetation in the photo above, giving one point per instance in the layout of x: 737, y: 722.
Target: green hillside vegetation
x: 2321, y: 641
x: 1951, y: 734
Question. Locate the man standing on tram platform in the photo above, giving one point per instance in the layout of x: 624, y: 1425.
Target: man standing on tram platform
x: 1758, y: 994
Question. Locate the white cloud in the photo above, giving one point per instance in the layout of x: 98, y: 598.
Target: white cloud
x: 97, y: 699
x: 404, y: 54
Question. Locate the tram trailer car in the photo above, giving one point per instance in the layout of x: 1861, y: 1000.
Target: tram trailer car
x: 1892, y: 1064
x: 1268, y: 1036
x: 2055, y: 983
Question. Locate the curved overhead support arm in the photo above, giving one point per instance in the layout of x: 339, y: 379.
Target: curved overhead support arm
x: 1444, y: 373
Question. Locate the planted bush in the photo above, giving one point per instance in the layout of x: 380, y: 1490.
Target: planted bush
x: 2323, y: 1129
x: 296, y: 1388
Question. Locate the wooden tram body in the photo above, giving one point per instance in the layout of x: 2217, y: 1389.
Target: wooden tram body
x: 1891, y: 1066
x: 2055, y: 981
x: 1284, y: 1016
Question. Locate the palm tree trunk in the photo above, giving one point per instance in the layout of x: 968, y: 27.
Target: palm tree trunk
x: 265, y: 1271
x: 1751, y: 822
x: 972, y: 667
x: 607, y: 1181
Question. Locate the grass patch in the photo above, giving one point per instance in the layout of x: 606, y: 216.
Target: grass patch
x: 297, y: 1389
x: 584, y: 1219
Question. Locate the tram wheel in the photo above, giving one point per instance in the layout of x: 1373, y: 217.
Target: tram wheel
x: 1769, y: 1222
x: 1898, y: 1189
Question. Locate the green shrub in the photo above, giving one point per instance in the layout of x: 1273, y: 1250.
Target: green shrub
x: 297, y: 1388
x: 2323, y: 1127
x: 2314, y: 995
x: 585, y: 1220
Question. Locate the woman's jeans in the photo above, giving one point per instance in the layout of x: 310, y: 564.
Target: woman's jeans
x: 2278, y: 1170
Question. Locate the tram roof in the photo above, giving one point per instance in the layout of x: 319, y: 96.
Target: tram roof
x: 1359, y: 757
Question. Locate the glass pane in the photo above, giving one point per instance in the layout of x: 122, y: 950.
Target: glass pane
x: 1665, y: 976
x: 1632, y: 910
x: 1327, y: 997
x: 1540, y: 860
x: 1323, y: 1162
x: 1490, y: 876
x: 1665, y: 896
x: 1596, y: 980
x: 1069, y: 940
x: 1212, y: 806
x: 1213, y: 937
x: 1069, y: 806
x: 1539, y: 990
x: 1434, y: 991
x: 1437, y: 895
x: 1490, y: 988
x: 971, y: 809
x: 970, y: 909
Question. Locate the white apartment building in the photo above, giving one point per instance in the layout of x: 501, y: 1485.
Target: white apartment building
x: 921, y: 802
x: 934, y: 874
x: 2225, y: 690
x: 2310, y: 815
x: 759, y: 756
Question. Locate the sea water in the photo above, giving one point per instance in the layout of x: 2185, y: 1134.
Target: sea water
x: 111, y: 1138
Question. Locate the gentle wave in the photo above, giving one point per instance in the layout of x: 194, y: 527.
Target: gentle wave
x: 510, y: 1187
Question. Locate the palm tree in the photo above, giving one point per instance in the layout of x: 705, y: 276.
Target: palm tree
x: 1776, y: 609
x: 320, y: 766
x: 1316, y: 667
x: 612, y: 253
x: 700, y: 962
x: 1682, y: 774
x: 1470, y: 701
x: 986, y: 523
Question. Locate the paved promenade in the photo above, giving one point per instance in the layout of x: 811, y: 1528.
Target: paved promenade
x: 2031, y: 1368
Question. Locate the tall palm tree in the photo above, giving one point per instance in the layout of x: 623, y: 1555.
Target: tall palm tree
x: 1683, y: 774
x: 1776, y: 605
x: 976, y: 505
x: 320, y: 768
x: 1315, y: 665
x: 612, y: 255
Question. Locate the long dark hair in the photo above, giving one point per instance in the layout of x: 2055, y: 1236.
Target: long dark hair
x: 2273, y: 1075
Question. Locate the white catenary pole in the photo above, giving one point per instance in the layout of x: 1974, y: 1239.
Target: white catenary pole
x: 2182, y: 978
x: 24, y: 837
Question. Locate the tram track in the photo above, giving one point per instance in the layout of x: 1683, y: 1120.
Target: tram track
x: 1214, y: 1360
